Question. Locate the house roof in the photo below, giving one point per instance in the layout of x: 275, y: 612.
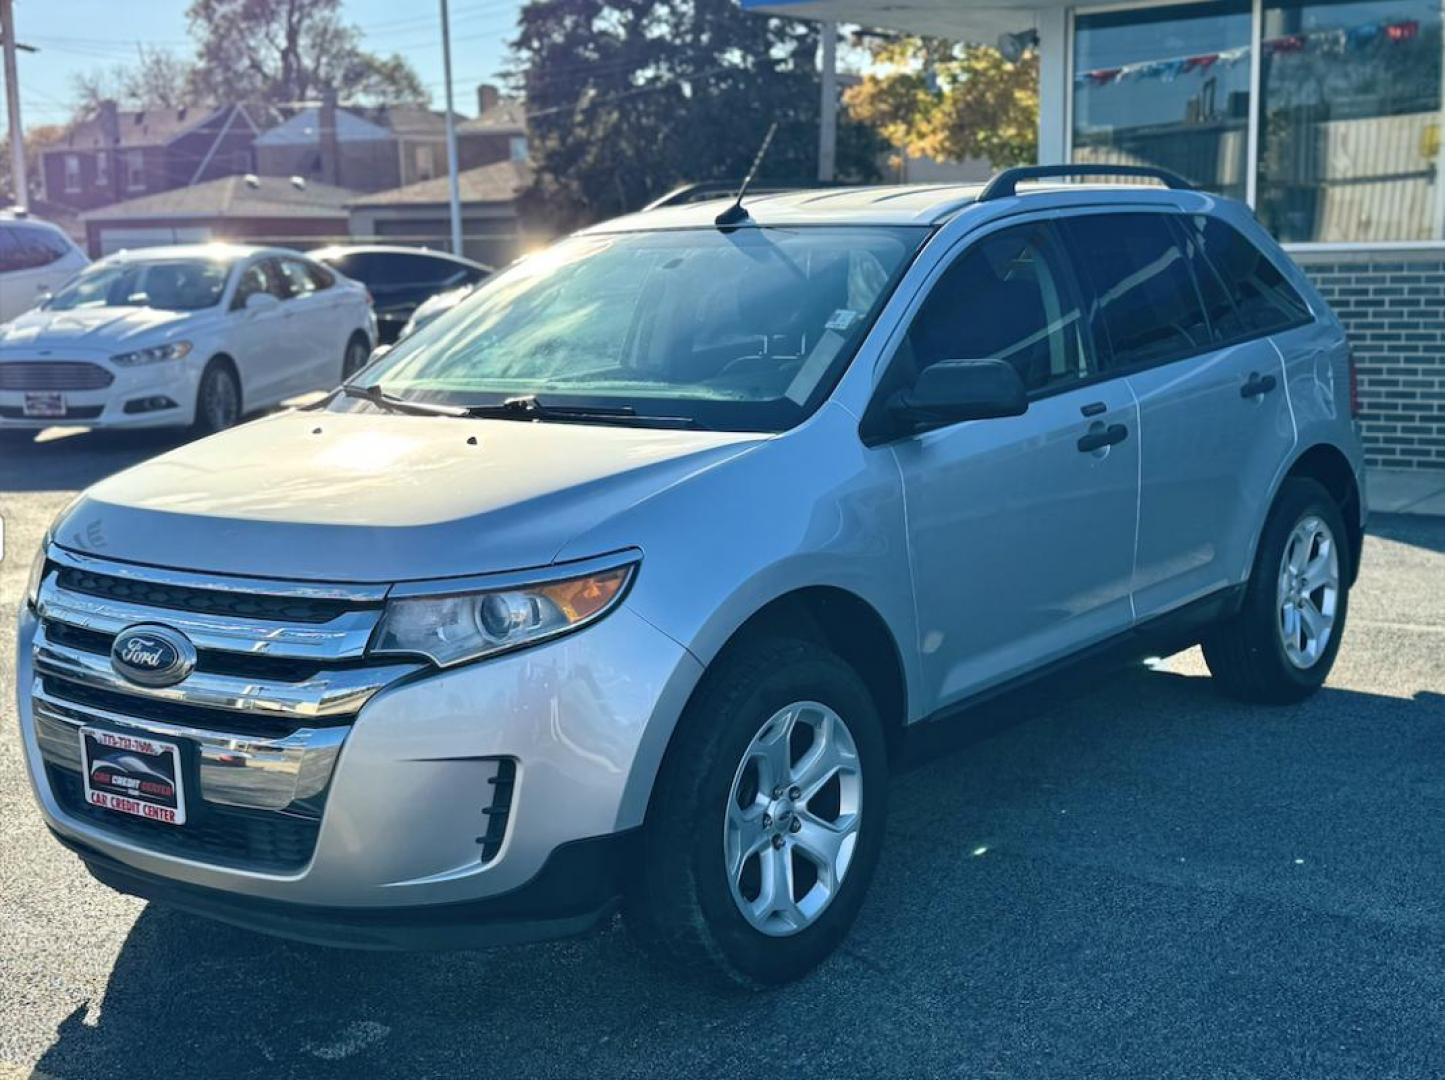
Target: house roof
x: 355, y: 123
x: 500, y: 182
x: 135, y: 127
x: 233, y: 197
x: 506, y: 117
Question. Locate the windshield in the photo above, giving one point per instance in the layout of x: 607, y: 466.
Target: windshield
x: 743, y: 329
x: 170, y: 285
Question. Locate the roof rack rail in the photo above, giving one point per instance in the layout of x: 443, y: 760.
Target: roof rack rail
x: 726, y: 189
x: 1006, y: 183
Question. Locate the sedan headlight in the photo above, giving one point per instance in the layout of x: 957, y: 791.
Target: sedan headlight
x: 459, y: 627
x: 172, y: 350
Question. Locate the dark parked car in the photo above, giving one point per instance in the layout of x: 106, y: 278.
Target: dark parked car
x: 400, y: 278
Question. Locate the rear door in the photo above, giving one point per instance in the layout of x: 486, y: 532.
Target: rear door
x: 1214, y: 420
x: 262, y: 342
x: 1021, y: 529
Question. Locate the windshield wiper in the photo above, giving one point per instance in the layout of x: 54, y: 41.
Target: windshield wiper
x: 382, y: 400
x: 527, y: 407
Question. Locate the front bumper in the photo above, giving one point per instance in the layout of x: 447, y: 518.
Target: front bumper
x: 584, y: 720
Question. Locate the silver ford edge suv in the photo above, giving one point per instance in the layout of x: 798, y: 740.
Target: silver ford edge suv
x: 624, y: 582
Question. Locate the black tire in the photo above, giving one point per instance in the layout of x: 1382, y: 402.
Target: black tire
x: 358, y: 352
x: 1246, y: 654
x: 681, y: 906
x: 218, y: 399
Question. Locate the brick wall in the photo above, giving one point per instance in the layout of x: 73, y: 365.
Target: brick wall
x: 1393, y: 307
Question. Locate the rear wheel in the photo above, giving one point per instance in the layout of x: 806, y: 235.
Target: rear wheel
x: 218, y: 399
x: 1280, y: 647
x: 767, y: 817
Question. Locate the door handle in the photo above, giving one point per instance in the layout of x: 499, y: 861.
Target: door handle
x: 1100, y: 436
x: 1094, y: 408
x: 1257, y: 385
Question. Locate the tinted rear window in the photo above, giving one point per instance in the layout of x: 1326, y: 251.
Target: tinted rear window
x: 1263, y: 302
x: 1145, y: 293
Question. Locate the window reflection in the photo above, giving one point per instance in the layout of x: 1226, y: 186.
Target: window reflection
x: 1169, y: 87
x: 1350, y: 146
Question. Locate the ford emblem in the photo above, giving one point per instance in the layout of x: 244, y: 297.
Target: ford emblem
x: 152, y: 655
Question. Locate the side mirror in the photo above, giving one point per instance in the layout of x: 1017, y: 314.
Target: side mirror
x: 261, y: 301
x: 952, y: 391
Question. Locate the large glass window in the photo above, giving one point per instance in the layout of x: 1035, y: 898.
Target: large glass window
x: 1350, y: 146
x: 1166, y: 86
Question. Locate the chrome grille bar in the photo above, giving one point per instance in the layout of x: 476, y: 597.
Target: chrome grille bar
x: 343, y: 638
x: 326, y: 694
x: 236, y: 770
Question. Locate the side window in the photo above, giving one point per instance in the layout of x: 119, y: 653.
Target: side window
x: 298, y: 279
x: 321, y: 278
x: 35, y: 248
x: 1007, y: 297
x: 259, y: 277
x: 1144, y: 290
x: 1264, y: 302
x: 10, y: 258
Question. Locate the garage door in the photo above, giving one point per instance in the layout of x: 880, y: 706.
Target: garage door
x: 117, y: 239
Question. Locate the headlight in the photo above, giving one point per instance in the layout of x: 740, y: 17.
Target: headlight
x: 467, y: 626
x: 173, y: 350
x: 37, y: 574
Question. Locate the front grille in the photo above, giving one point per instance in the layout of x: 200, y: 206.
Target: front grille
x: 280, y: 675
x: 74, y: 412
x: 53, y: 375
x: 221, y: 835
x: 291, y: 609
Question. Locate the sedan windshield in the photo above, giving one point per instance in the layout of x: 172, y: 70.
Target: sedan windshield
x: 170, y: 285
x: 743, y: 329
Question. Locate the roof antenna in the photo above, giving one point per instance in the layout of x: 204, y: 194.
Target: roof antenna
x: 735, y: 213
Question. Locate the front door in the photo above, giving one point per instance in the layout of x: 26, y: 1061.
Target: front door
x: 267, y: 350
x: 1021, y: 528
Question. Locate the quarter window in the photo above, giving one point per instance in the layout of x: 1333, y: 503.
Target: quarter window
x: 1006, y: 298
x: 1145, y: 295
x: 1263, y: 302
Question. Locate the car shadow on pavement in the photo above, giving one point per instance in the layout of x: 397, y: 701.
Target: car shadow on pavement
x: 68, y: 460
x: 1143, y: 879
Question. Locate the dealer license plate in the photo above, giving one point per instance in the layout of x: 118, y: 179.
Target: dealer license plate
x: 131, y: 775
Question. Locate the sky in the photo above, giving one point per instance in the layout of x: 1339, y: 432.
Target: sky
x: 78, y: 36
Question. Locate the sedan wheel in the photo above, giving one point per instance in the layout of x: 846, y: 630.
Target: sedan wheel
x: 218, y: 402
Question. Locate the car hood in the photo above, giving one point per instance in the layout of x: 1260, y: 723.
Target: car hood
x: 362, y: 497
x: 99, y: 328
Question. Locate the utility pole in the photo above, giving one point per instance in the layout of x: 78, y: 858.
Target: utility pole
x: 828, y: 114
x: 12, y: 106
x: 453, y: 182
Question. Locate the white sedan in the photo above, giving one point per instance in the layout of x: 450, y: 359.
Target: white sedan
x: 175, y: 336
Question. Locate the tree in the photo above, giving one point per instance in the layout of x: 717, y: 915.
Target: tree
x: 37, y: 138
x: 627, y: 99
x: 279, y: 51
x: 932, y: 98
x: 157, y: 80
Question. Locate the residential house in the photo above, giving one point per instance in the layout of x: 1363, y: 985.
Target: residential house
x: 497, y: 133
x: 362, y: 148
x: 250, y: 209
x: 114, y: 154
x: 420, y: 213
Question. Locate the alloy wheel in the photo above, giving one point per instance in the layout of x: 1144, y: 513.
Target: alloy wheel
x: 1309, y: 592
x: 792, y: 818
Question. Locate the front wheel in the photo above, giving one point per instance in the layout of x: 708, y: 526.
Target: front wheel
x: 1280, y: 647
x: 358, y: 351
x: 218, y: 399
x: 767, y: 817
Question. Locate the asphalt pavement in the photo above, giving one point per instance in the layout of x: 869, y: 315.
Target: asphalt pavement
x: 1135, y: 879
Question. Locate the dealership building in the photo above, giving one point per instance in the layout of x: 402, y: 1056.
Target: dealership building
x: 1324, y: 115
